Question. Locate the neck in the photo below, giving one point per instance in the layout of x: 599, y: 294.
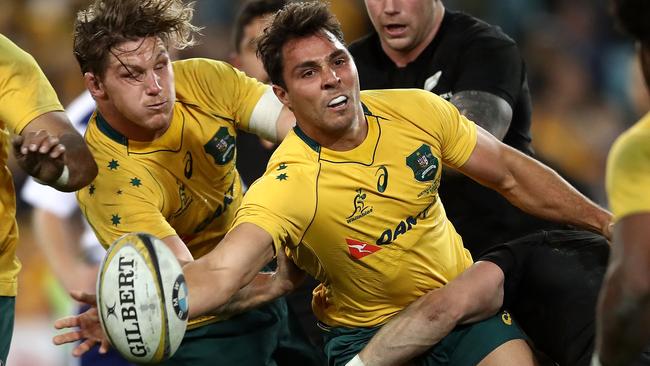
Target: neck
x: 401, y: 58
x: 340, y: 140
x: 127, y: 128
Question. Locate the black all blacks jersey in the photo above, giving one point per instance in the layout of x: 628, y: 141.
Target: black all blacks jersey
x: 466, y: 54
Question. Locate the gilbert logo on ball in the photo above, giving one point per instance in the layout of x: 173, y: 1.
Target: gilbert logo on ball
x: 142, y: 298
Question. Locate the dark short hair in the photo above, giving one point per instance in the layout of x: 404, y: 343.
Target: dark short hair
x: 632, y: 17
x: 107, y: 23
x: 295, y: 20
x: 252, y: 10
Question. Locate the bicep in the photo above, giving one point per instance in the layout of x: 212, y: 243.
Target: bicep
x: 55, y: 122
x: 488, y: 110
x: 488, y: 162
x: 270, y: 120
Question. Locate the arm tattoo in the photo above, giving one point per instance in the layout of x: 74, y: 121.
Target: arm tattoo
x: 487, y: 110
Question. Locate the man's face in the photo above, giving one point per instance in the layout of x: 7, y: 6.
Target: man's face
x: 138, y: 88
x: 322, y: 84
x: 402, y: 25
x: 246, y: 59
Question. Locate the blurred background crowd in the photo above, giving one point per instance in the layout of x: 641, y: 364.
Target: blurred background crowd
x: 585, y: 84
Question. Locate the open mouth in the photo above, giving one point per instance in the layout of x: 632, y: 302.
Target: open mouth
x: 338, y: 102
x: 395, y: 29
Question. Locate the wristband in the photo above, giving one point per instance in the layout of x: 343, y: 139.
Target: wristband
x: 62, y: 181
x: 356, y: 361
x: 64, y: 178
x: 595, y: 360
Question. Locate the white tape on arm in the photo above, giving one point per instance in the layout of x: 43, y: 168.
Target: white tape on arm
x: 356, y: 361
x: 265, y: 115
x: 62, y: 181
x: 64, y: 178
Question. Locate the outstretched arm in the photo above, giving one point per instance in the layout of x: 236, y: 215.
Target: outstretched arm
x: 623, y: 311
x: 265, y: 287
x: 53, y: 152
x: 474, y: 295
x: 214, y: 278
x: 223, y: 282
x: 532, y: 186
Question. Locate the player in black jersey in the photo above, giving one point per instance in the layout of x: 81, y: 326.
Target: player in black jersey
x: 549, y: 280
x: 478, y: 68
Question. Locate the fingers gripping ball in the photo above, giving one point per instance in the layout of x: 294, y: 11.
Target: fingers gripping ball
x: 142, y: 298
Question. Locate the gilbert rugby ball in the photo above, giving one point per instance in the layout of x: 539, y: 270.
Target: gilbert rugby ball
x: 142, y: 298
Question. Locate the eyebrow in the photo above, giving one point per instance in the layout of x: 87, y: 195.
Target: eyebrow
x: 310, y: 63
x: 128, y: 67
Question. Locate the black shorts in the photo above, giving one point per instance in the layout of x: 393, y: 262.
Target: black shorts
x: 552, y: 283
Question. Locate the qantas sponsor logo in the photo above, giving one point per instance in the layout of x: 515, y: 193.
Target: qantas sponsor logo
x: 404, y: 226
x: 359, y: 249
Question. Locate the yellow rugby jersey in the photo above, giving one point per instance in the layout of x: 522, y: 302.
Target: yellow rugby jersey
x: 628, y: 171
x: 368, y: 223
x: 25, y: 93
x: 184, y: 183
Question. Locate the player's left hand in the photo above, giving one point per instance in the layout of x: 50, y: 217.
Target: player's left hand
x: 40, y: 154
x: 89, y: 328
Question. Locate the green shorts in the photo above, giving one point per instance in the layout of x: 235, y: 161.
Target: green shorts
x: 262, y: 337
x: 466, y: 345
x: 7, y: 311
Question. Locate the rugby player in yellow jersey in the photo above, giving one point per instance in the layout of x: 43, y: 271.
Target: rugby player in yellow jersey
x: 163, y: 136
x: 46, y: 146
x: 623, y: 312
x: 351, y: 195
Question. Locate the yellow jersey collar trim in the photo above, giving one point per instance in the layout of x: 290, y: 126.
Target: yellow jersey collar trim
x: 109, y: 131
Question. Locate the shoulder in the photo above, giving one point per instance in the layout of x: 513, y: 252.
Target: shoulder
x: 399, y: 100
x: 14, y: 56
x: 465, y: 30
x: 631, y: 150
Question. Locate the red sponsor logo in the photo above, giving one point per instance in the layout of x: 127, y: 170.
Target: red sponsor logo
x: 359, y: 249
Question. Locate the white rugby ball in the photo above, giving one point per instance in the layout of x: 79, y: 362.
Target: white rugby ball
x: 142, y: 298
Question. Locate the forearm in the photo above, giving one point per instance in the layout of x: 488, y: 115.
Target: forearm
x: 80, y: 162
x: 473, y: 296
x: 410, y: 333
x: 623, y: 314
x: 263, y: 289
x: 214, y: 278
x: 540, y: 191
x: 623, y: 311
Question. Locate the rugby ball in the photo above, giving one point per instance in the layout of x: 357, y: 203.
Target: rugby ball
x: 142, y: 298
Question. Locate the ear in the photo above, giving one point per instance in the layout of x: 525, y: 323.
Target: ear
x: 282, y: 94
x: 94, y: 85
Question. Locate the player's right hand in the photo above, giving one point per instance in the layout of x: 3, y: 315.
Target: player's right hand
x: 88, y: 328
x: 39, y: 154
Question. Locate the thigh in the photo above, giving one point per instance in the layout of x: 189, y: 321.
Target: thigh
x: 248, y: 339
x: 7, y: 310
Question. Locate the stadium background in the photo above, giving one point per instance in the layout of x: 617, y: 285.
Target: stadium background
x: 585, y: 85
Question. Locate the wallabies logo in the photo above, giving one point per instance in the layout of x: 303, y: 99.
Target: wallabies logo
x: 423, y: 163
x: 221, y: 146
